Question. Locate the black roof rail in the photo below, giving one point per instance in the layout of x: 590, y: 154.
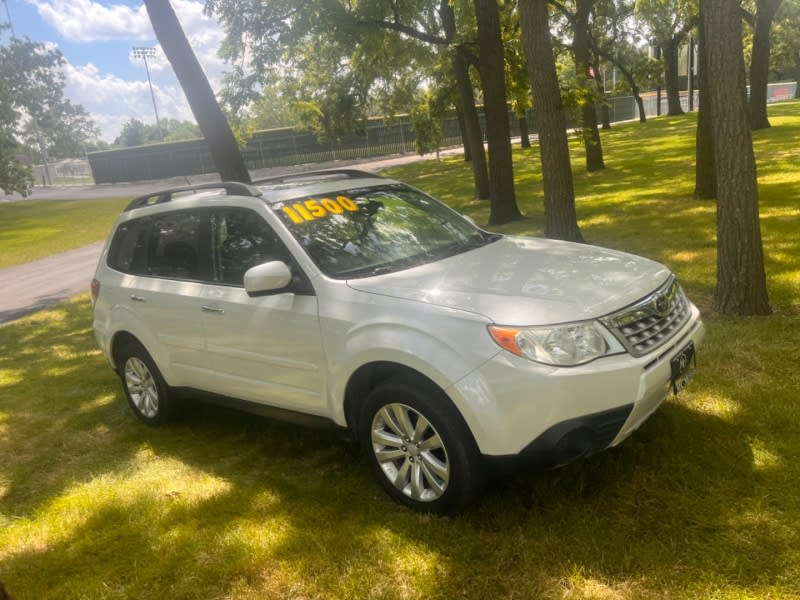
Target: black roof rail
x: 230, y: 187
x: 314, y: 175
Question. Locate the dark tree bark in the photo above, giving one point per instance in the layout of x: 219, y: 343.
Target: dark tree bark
x: 224, y: 149
x: 560, y: 218
x: 671, y: 79
x: 524, y: 132
x: 741, y: 280
x: 498, y: 134
x: 581, y: 49
x: 759, y: 62
x: 705, y: 186
x: 472, y: 125
x: 473, y: 148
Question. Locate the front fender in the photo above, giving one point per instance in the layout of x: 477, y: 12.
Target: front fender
x: 443, y: 360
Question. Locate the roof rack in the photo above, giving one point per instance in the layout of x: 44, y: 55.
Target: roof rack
x: 230, y: 187
x: 315, y: 175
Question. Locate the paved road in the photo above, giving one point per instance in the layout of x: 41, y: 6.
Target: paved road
x: 30, y: 287
x: 35, y: 285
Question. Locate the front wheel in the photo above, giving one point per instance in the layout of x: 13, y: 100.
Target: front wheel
x: 420, y: 449
x: 148, y: 394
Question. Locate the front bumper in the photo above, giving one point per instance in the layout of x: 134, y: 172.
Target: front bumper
x: 554, y: 415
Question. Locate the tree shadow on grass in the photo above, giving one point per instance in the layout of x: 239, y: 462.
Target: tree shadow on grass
x: 229, y: 505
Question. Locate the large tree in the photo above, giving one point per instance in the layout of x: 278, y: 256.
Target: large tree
x: 492, y: 73
x: 67, y: 131
x: 32, y: 93
x: 616, y: 40
x: 741, y: 280
x: 705, y: 186
x: 221, y: 142
x: 761, y: 22
x: 280, y: 37
x: 579, y: 16
x: 670, y: 22
x: 559, y: 195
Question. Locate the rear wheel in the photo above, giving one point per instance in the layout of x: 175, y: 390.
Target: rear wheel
x: 420, y: 449
x: 148, y: 394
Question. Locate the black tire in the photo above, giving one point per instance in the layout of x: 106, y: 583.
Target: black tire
x: 148, y: 394
x: 419, y: 448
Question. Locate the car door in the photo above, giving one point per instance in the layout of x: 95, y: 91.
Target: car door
x: 268, y: 348
x: 163, y: 262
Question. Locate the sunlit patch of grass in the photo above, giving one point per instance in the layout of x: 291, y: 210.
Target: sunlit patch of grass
x: 33, y: 229
x: 765, y: 457
x: 700, y: 502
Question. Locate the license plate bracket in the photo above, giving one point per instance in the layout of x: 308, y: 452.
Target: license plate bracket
x: 683, y: 367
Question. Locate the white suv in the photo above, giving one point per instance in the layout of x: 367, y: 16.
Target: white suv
x: 345, y: 298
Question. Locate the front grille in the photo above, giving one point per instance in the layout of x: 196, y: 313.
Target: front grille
x: 652, y: 321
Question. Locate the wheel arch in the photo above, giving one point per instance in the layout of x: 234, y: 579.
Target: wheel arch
x: 369, y: 375
x: 119, y: 341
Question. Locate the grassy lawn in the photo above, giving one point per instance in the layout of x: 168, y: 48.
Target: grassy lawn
x: 701, y: 502
x: 33, y: 229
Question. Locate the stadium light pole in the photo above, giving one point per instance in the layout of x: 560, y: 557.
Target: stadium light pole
x: 144, y: 53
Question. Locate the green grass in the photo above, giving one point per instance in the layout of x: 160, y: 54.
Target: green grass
x: 33, y: 229
x: 701, y: 502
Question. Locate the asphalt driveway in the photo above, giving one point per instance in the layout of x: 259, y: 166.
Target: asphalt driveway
x: 41, y: 283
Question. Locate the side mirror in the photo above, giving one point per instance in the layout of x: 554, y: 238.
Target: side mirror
x: 268, y: 277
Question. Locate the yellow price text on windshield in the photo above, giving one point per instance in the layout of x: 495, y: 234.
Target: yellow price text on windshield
x: 311, y: 209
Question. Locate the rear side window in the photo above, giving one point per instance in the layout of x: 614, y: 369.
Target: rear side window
x: 128, y: 251
x: 166, y: 245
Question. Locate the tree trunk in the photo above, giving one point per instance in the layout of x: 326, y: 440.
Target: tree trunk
x: 463, y: 131
x: 498, y: 134
x: 639, y: 104
x: 705, y: 186
x: 635, y: 91
x: 221, y: 142
x: 759, y: 62
x: 471, y: 129
x: 560, y: 218
x: 581, y: 49
x: 671, y: 80
x: 741, y: 281
x: 472, y: 126
x: 524, y: 134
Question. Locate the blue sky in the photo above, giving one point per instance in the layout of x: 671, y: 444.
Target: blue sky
x: 96, y: 38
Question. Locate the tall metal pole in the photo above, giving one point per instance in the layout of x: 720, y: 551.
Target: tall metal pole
x: 143, y: 53
x: 10, y: 23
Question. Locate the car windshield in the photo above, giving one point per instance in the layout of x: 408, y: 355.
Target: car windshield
x: 376, y: 230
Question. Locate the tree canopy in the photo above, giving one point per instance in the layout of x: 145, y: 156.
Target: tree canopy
x: 34, y: 111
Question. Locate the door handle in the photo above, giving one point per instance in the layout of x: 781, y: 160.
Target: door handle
x: 136, y: 298
x: 213, y: 309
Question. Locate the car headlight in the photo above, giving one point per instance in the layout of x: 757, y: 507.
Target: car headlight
x: 564, y: 345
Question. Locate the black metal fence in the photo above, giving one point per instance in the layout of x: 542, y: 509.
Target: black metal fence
x: 285, y: 147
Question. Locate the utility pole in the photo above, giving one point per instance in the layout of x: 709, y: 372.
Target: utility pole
x: 144, y: 53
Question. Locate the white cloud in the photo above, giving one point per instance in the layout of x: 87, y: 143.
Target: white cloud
x: 112, y: 101
x: 90, y: 21
x: 87, y: 21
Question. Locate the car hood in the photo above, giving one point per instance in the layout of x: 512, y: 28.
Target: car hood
x: 526, y: 281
